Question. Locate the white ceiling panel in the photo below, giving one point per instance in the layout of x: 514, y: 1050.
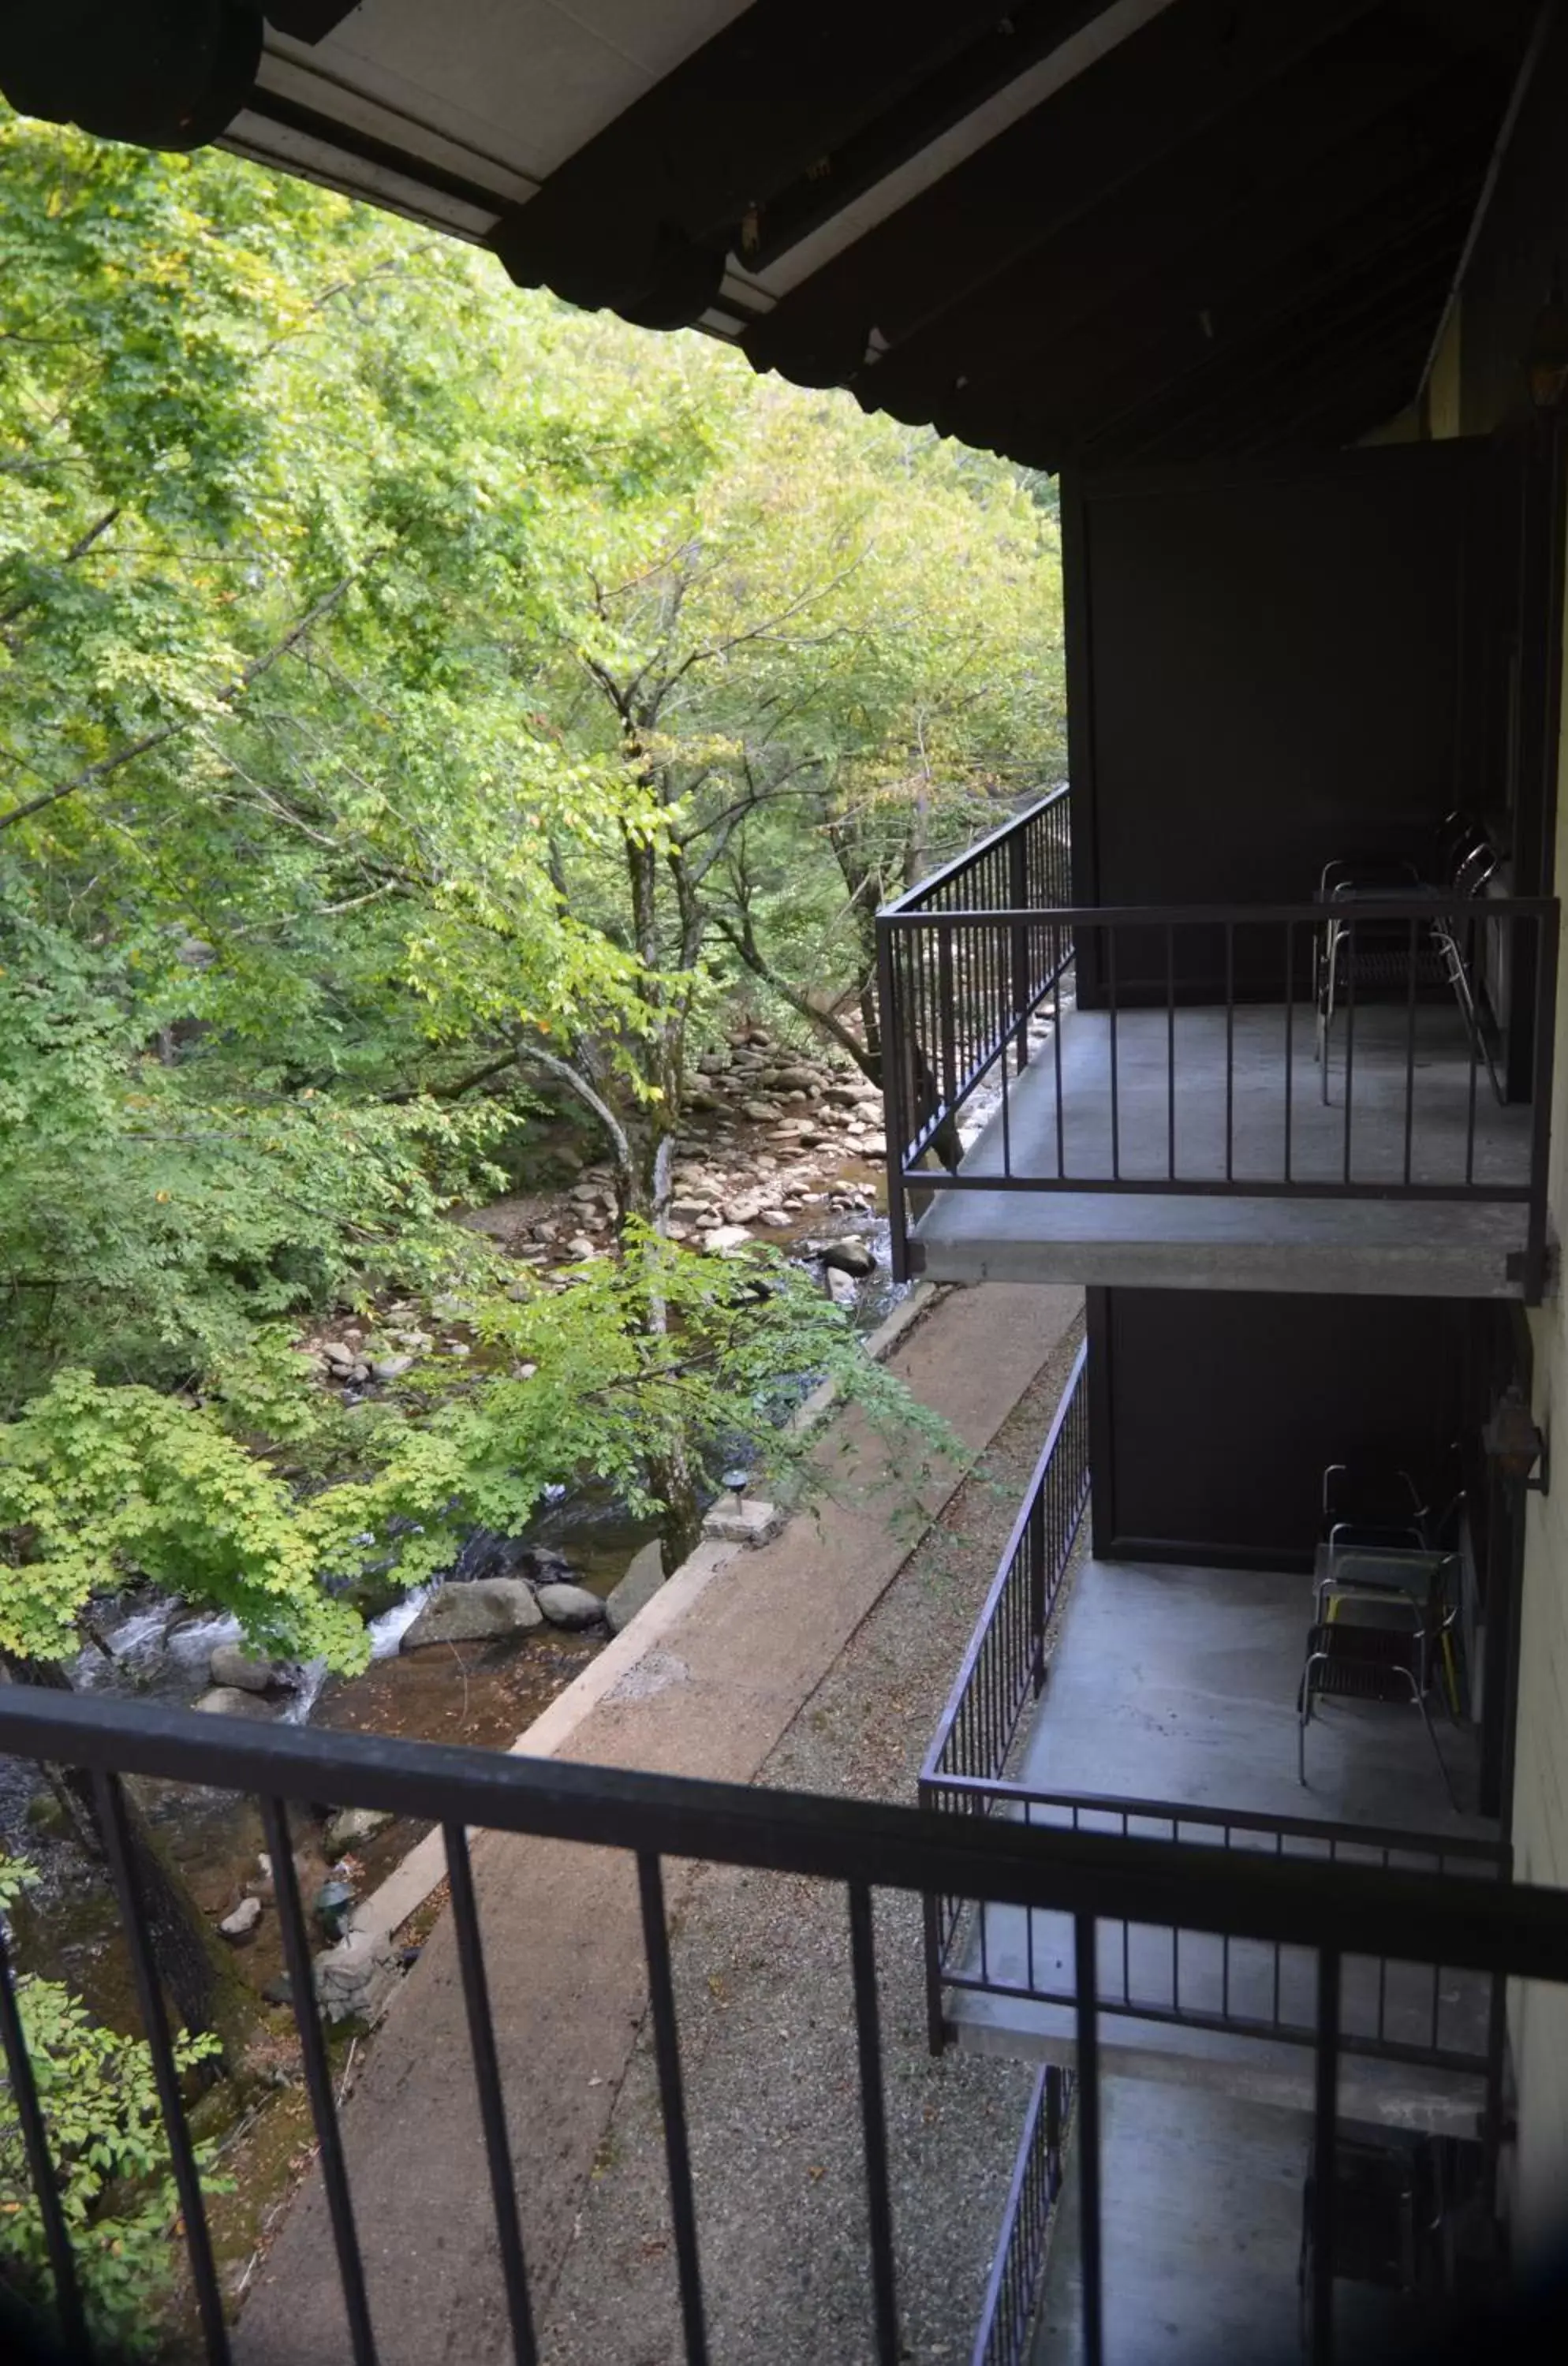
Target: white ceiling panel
x: 525, y: 82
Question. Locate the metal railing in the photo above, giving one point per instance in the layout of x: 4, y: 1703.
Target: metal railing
x: 1208, y: 1050
x: 1018, y: 2270
x: 1004, y: 1668
x: 1390, y: 2010
x: 1155, y: 1975
x: 1330, y: 1909
x: 988, y: 984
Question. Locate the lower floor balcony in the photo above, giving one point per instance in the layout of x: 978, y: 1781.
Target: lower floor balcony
x: 1160, y: 1703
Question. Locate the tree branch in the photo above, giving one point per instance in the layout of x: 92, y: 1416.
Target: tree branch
x: 93, y: 773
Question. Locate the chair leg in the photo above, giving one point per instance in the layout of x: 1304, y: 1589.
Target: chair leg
x: 1432, y: 1738
x: 1304, y: 1719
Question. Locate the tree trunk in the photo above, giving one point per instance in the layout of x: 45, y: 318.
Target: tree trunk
x: 681, y: 1522
x: 202, y: 1983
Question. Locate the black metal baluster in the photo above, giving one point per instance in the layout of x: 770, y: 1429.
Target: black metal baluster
x: 1324, y: 2157
x: 116, y: 1830
x: 1090, y: 2250
x: 1028, y: 1912
x: 40, y: 2168
x: 1170, y: 1050
x: 319, y: 2081
x: 874, y: 2124
x: 1116, y: 1114
x: 1289, y: 1030
x: 1410, y: 1052
x: 1230, y: 1051
x: 677, y: 2150
x: 1279, y: 1852
x: 1349, y: 1037
x: 487, y: 2076
x: 1475, y: 1033
x: 1056, y: 1046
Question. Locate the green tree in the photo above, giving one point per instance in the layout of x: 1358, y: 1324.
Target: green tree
x: 114, y: 2174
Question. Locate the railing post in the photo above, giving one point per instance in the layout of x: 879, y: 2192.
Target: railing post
x: 891, y: 1020
x: 946, y: 1020
x: 1547, y: 931
x: 1037, y: 1585
x: 926, y: 1795
x: 1018, y: 941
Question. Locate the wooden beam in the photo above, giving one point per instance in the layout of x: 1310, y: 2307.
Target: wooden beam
x: 1328, y: 357
x: 674, y: 176
x: 1189, y: 348
x: 1186, y: 71
x: 1325, y: 144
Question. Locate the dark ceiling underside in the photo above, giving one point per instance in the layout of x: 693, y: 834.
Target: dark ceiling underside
x: 1231, y: 233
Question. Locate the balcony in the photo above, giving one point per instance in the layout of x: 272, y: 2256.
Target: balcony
x: 1157, y: 1704
x: 652, y: 1824
x: 1169, y: 1097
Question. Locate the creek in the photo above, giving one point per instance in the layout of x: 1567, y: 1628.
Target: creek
x: 477, y: 1694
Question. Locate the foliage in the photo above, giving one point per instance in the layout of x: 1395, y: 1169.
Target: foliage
x: 115, y: 2178
x: 663, y: 1355
x: 418, y: 704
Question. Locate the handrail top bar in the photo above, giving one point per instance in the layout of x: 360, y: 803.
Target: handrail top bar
x: 908, y: 900
x: 1523, y: 1931
x: 1253, y: 1820
x: 929, y: 1771
x: 1160, y: 915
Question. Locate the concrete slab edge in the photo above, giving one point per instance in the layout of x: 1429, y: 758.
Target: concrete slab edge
x: 424, y: 1869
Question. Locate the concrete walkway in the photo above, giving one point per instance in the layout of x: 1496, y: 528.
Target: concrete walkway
x: 711, y: 1694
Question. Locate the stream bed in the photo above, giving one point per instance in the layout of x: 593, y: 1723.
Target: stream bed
x: 482, y: 1693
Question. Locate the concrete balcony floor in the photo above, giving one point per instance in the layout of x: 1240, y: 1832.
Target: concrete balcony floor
x: 1201, y: 2203
x: 1173, y: 1240
x: 1178, y: 1684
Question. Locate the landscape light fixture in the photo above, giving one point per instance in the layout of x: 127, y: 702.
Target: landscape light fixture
x: 1546, y: 366
x: 737, y: 1482
x: 1513, y: 1443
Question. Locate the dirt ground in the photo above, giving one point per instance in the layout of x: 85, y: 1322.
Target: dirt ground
x: 762, y: 1983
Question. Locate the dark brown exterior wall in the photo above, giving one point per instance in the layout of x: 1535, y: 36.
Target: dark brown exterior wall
x: 1219, y: 1409
x: 1267, y: 669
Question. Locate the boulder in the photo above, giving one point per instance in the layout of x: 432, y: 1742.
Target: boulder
x: 242, y: 1925
x: 231, y: 1665
x: 644, y: 1576
x: 342, y: 1359
x: 352, y: 1827
x: 775, y: 1217
x: 391, y: 1368
x: 355, y: 1979
x: 727, y: 1236
x: 851, y: 1255
x: 474, y: 1612
x: 570, y: 1605
x: 842, y: 1289
x: 228, y: 1700
x: 762, y: 1112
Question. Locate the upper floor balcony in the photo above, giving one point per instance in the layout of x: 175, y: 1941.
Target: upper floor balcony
x: 1349, y: 1095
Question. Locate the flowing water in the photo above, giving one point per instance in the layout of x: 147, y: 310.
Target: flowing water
x: 148, y: 1648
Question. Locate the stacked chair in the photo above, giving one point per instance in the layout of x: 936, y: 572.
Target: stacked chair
x: 1376, y: 957
x: 1385, y: 1600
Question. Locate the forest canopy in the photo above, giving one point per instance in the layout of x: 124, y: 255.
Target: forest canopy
x: 423, y: 709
